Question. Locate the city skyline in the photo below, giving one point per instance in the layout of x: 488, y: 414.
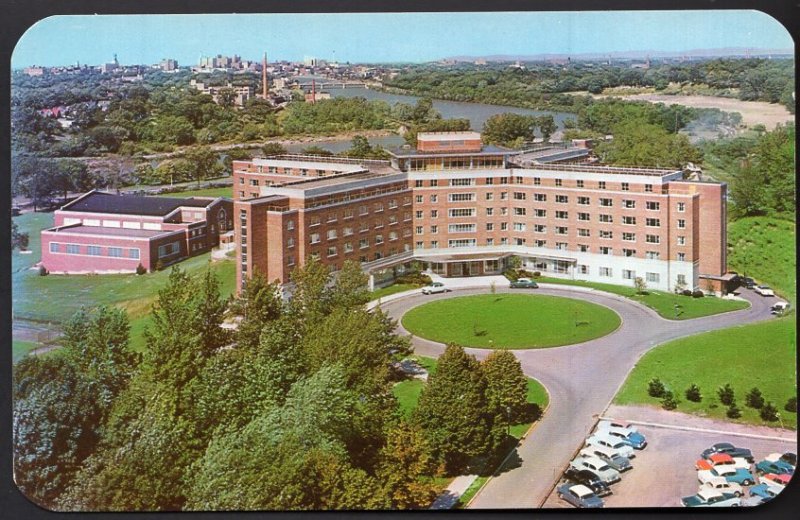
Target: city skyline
x: 401, y: 37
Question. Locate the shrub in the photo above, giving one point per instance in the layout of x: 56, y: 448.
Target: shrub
x: 791, y: 405
x: 769, y: 413
x: 511, y: 274
x: 693, y: 394
x: 726, y: 395
x: 140, y: 270
x: 698, y: 294
x: 669, y: 402
x: 655, y: 388
x: 43, y: 271
x: 754, y: 399
x: 537, y: 274
x: 414, y: 278
x: 733, y: 411
x: 686, y: 292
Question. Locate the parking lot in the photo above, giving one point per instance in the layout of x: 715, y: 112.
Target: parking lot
x: 664, y: 472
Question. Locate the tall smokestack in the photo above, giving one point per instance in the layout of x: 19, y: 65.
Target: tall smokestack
x: 313, y: 91
x: 264, y: 89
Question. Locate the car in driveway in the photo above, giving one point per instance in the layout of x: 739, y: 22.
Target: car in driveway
x: 764, y: 290
x: 633, y: 438
x: 722, y: 485
x: 721, y: 459
x: 601, y: 439
x: 605, y: 424
x: 765, y: 491
x: 600, y: 468
x: 524, y: 283
x: 730, y: 449
x: 711, y: 498
x: 749, y: 283
x: 611, y: 457
x: 588, y: 479
x: 731, y: 474
x: 771, y: 479
x: 778, y: 467
x: 435, y: 287
x: 579, y: 496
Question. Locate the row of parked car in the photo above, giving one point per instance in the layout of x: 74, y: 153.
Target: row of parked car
x: 724, y: 471
x: 606, y: 455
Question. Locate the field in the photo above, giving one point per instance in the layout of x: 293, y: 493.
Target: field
x: 392, y: 289
x: 510, y: 321
x: 763, y: 248
x: 758, y: 355
x: 226, y: 191
x: 663, y: 302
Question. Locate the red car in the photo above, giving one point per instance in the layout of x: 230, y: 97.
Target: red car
x: 720, y: 459
x: 771, y: 479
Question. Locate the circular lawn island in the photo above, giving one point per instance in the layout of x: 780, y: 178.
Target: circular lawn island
x: 510, y: 321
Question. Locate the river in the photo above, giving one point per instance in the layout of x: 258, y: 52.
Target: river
x: 477, y: 113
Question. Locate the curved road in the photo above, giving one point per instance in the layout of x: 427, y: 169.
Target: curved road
x: 581, y: 379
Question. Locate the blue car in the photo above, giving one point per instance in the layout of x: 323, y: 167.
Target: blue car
x: 764, y: 491
x: 778, y: 467
x: 632, y: 438
x: 740, y: 476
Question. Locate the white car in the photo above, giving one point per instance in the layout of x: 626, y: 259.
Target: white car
x: 599, y: 439
x: 614, y: 459
x: 764, y: 290
x: 711, y: 498
x: 435, y: 287
x: 600, y: 468
x: 722, y: 485
x: 606, y: 425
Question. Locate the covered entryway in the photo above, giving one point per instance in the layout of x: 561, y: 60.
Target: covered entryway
x: 458, y: 266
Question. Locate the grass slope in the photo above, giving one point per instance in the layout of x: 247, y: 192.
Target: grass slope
x: 225, y: 191
x: 392, y: 289
x: 758, y: 355
x: 510, y: 321
x: 764, y: 248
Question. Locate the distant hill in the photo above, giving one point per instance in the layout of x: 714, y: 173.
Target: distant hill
x: 639, y: 54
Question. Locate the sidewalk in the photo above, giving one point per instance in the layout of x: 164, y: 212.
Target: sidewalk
x: 450, y: 496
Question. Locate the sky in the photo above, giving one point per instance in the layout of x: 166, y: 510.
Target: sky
x: 386, y: 37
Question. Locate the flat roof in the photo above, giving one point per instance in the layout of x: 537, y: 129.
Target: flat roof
x: 487, y: 149
x: 80, y: 229
x: 448, y: 136
x: 588, y: 168
x: 102, y: 202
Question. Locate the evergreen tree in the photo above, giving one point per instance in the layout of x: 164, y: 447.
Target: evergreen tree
x: 310, y: 299
x: 259, y: 303
x: 754, y: 398
x: 506, y: 388
x: 351, y: 286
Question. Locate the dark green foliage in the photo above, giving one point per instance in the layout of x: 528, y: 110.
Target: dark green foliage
x: 655, y: 388
x: 698, y: 294
x: 404, y: 462
x: 18, y: 240
x: 668, y: 401
x: 733, y: 411
x: 336, y: 115
x: 768, y: 412
x: 259, y: 303
x: 726, y: 394
x: 506, y: 387
x: 361, y: 149
x: 754, y: 399
x: 511, y: 129
x: 140, y: 270
x: 273, y: 149
x: 791, y: 405
x: 641, y: 144
x: 693, y: 394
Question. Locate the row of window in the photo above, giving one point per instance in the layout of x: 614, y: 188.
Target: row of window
x: 349, y: 213
x: 540, y: 228
x: 315, y: 237
x: 111, y: 252
x: 537, y: 181
x: 333, y: 234
x: 333, y: 251
x: 650, y: 205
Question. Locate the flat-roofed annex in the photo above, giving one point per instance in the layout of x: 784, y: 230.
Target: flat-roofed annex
x: 448, y: 136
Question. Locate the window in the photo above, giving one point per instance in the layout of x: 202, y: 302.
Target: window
x: 417, y: 183
x: 490, y: 227
x: 503, y: 195
x: 332, y: 251
x: 332, y: 234
x: 347, y: 231
x: 419, y: 230
x: 583, y: 216
x: 562, y: 199
x: 93, y: 251
x: 627, y: 274
x: 605, y: 250
x: 378, y: 224
x: 626, y: 186
x: 461, y: 212
x: 652, y: 255
x: 434, y: 198
x: 163, y: 250
x: 628, y: 252
x: 584, y: 201
x: 540, y: 243
x: 241, y: 180
x: 419, y: 199
x: 73, y: 249
x: 579, y: 183
x: 348, y: 247
x: 461, y: 197
x: 290, y: 224
x: 489, y: 196
x: 504, y: 241
x: 629, y: 204
x: 519, y: 226
x: 681, y: 207
x: 363, y: 243
x: 681, y: 240
x: 378, y: 207
x: 434, y: 244
x: 648, y: 188
x: 606, y: 218
x: 606, y: 234
x: 558, y: 182
x: 582, y: 232
x: 503, y: 180
x: 629, y: 237
x: 504, y: 226
x: 629, y: 221
x: 489, y: 212
x: 605, y: 271
x: 653, y: 277
x: 489, y: 181
x: 434, y: 183
x: 392, y: 220
x: 681, y: 257
x: 681, y: 223
x: 462, y: 242
x: 606, y: 202
x: 290, y: 242
x: 561, y: 246
x: 489, y: 241
x: 434, y: 229
x: 363, y: 227
x: 583, y: 269
x: 537, y: 181
x: 54, y: 247
x: 133, y: 253
x: 539, y: 228
x: 419, y: 213
x: 562, y: 214
x: 314, y: 238
x: 378, y: 239
x: 653, y: 239
x: 419, y: 245
x: 518, y: 195
x: 406, y: 216
x: 392, y: 203
x: 681, y: 279
x: 652, y: 205
x: 520, y: 212
x: 540, y: 197
x: 540, y: 212
x: 362, y: 210
x: 504, y: 211
x: 253, y: 182
x: 653, y: 222
x: 462, y: 182
x: 583, y: 248
x: 601, y: 185
x: 434, y: 213
x: 561, y: 230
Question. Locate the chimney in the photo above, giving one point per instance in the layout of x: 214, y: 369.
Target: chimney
x: 264, y: 88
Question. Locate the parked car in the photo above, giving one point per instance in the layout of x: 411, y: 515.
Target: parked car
x: 790, y: 457
x: 579, y: 496
x: 730, y: 449
x: 435, y: 287
x: 753, y: 501
x: 779, y: 308
x: 711, y: 498
x: 749, y: 283
x: 606, y: 473
x: 778, y: 467
x: 588, y: 479
x: 633, y: 438
x: 722, y: 459
x: 600, y: 439
x: 611, y: 457
x: 606, y: 424
x: 524, y: 283
x: 778, y: 481
x: 764, y: 290
x: 720, y: 484
x: 731, y: 474
x: 765, y: 491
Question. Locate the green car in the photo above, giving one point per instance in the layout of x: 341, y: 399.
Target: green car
x: 524, y: 283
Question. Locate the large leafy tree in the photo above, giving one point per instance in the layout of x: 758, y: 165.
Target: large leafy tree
x: 404, y: 465
x: 506, y: 389
x: 647, y: 145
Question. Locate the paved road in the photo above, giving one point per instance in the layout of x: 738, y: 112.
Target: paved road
x: 581, y: 379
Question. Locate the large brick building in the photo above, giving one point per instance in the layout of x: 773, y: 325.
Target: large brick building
x: 105, y: 233
x: 462, y: 209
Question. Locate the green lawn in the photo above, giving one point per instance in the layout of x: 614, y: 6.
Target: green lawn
x: 763, y: 248
x: 392, y: 289
x: 759, y: 355
x: 510, y: 321
x: 226, y: 191
x: 663, y: 302
x: 20, y: 348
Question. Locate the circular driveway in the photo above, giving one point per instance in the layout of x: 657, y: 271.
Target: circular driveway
x: 581, y: 380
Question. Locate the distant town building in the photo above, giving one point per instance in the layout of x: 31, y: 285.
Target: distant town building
x: 168, y: 65
x: 105, y: 68
x: 34, y: 71
x: 242, y: 93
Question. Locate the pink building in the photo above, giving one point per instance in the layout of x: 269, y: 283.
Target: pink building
x: 105, y: 233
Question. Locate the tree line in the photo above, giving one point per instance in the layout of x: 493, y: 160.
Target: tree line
x: 292, y: 410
